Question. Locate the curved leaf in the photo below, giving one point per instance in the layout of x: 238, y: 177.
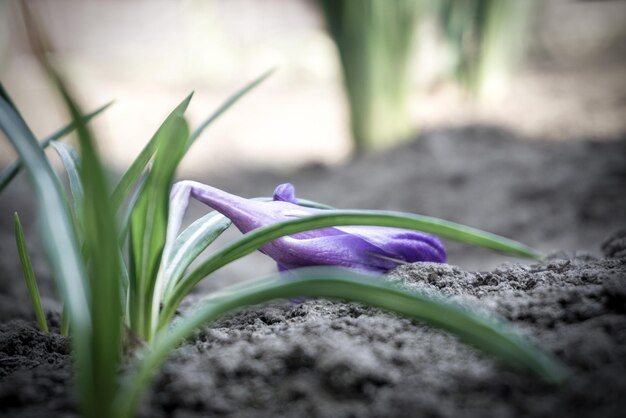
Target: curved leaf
x: 137, y: 167
x: 131, y: 176
x: 12, y: 169
x: 58, y: 236
x: 125, y: 213
x: 255, y: 239
x: 190, y: 244
x: 227, y: 104
x: 71, y: 162
x: 149, y: 223
x: 98, y: 384
x: 487, y: 334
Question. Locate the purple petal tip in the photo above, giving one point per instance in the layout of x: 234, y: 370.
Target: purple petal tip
x: 285, y: 193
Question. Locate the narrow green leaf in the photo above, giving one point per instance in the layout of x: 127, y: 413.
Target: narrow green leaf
x: 312, y: 204
x: 58, y: 236
x: 490, y: 335
x: 128, y: 180
x: 97, y: 344
x: 149, y: 221
x: 12, y: 169
x: 101, y: 234
x: 71, y: 162
x: 191, y: 243
x: 227, y: 104
x: 124, y: 287
x: 132, y: 174
x: 29, y: 275
x: 126, y: 213
x: 255, y: 239
x: 133, y: 214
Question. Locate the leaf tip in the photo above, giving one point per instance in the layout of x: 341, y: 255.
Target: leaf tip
x: 16, y: 219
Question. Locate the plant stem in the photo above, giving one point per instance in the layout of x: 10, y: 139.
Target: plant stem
x: 375, y: 40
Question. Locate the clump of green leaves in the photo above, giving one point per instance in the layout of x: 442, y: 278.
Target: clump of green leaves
x: 117, y: 268
x: 374, y: 40
x: 487, y: 37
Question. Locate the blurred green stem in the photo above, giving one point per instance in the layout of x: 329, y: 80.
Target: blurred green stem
x: 488, y: 38
x: 374, y: 40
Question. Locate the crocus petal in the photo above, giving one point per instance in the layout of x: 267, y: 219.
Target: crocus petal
x: 406, y: 245
x: 363, y: 248
x: 286, y: 193
x: 337, y: 250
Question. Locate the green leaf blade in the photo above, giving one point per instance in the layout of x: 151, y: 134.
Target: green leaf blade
x: 487, y: 334
x: 255, y: 239
x: 191, y: 243
x: 71, y: 162
x: 9, y: 173
x: 102, y: 253
x: 63, y: 249
x: 137, y: 167
x: 59, y: 240
x: 132, y: 175
x: 29, y: 275
x: 227, y: 104
x: 149, y: 222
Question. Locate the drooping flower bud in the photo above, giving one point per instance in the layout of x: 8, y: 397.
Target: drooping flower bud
x: 364, y: 248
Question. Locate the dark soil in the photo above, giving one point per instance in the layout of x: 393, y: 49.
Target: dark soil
x: 332, y: 359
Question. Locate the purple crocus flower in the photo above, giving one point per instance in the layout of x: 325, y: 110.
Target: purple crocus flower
x: 370, y: 249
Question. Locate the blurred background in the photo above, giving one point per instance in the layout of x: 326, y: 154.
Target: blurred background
x: 552, y: 68
x: 506, y: 115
